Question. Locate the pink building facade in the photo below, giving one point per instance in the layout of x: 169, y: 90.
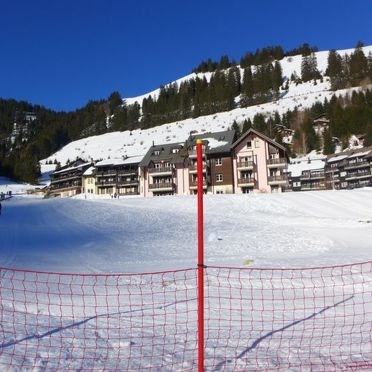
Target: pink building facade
x: 259, y: 164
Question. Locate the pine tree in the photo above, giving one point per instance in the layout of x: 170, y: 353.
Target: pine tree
x: 335, y: 70
x: 309, y: 68
x: 358, y: 65
x: 235, y: 126
x: 328, y: 145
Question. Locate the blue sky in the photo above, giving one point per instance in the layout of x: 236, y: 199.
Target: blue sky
x: 61, y: 54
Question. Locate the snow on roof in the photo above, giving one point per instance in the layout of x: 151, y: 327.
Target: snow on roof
x: 337, y: 158
x: 213, y: 143
x: 357, y: 154
x: 114, y: 161
x: 89, y: 171
x: 72, y: 168
x: 118, y: 161
x: 297, y: 167
x: 134, y: 159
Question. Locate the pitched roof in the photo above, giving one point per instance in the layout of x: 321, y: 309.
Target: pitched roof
x: 216, y: 143
x: 250, y: 131
x: 164, y: 152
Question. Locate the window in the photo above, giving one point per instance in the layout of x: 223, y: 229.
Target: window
x: 249, y: 144
x: 219, y: 192
x: 157, y: 165
x: 219, y: 177
x: 219, y: 161
x: 256, y: 144
x: 157, y: 152
x: 175, y: 151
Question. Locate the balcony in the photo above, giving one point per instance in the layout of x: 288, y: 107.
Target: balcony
x: 194, y: 168
x: 277, y: 180
x: 193, y: 154
x: 127, y: 182
x: 129, y: 172
x: 248, y: 181
x: 194, y: 185
x: 106, y: 183
x: 107, y: 173
x: 245, y: 165
x: 65, y: 177
x: 312, y: 176
x: 277, y: 163
x: 357, y: 164
x: 358, y: 175
x: 162, y: 186
x: 161, y: 171
x: 316, y: 186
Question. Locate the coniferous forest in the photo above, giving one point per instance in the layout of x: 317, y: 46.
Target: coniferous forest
x: 257, y: 79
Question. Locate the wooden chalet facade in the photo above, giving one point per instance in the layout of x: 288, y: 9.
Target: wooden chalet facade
x: 67, y: 181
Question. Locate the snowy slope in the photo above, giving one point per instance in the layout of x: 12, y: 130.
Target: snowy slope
x: 137, y: 142
x: 142, y: 234
x: 255, y: 319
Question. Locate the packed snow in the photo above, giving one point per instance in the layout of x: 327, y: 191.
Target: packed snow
x: 144, y: 234
x: 267, y: 320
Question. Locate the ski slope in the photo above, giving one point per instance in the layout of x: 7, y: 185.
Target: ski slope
x: 150, y: 234
x: 298, y: 320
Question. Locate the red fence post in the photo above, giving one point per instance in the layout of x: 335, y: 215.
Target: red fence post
x: 199, y: 156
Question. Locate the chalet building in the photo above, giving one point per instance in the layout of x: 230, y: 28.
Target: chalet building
x: 350, y: 169
x: 217, y: 162
x: 164, y: 170
x: 259, y: 164
x: 118, y: 177
x: 313, y: 180
x: 67, y: 181
x: 320, y: 124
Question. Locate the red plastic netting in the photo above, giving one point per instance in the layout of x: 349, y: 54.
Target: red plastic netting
x: 317, y: 319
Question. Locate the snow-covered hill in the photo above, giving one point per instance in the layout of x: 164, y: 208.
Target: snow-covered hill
x: 137, y: 142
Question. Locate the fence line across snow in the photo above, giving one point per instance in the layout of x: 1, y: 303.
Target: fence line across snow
x: 254, y: 319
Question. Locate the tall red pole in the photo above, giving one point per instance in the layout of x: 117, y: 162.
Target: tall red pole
x: 199, y: 157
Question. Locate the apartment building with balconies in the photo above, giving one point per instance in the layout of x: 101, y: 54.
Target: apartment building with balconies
x: 259, y: 164
x: 350, y: 169
x: 67, y: 181
x: 118, y: 177
x: 217, y: 162
x: 164, y: 170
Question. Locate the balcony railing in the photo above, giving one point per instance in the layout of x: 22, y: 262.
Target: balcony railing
x: 161, y: 170
x: 192, y: 153
x: 194, y: 168
x: 357, y: 164
x: 277, y: 179
x: 245, y: 164
x: 128, y: 172
x: 106, y: 183
x: 110, y: 172
x: 315, y: 175
x: 246, y: 181
x: 194, y: 184
x: 161, y: 185
x: 126, y: 182
x: 357, y: 175
x: 279, y: 162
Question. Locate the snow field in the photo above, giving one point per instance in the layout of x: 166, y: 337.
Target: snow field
x: 290, y: 320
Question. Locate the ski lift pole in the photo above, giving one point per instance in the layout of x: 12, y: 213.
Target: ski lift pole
x: 199, y: 157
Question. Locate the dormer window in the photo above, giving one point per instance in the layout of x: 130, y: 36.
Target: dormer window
x: 175, y: 151
x: 157, y: 152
